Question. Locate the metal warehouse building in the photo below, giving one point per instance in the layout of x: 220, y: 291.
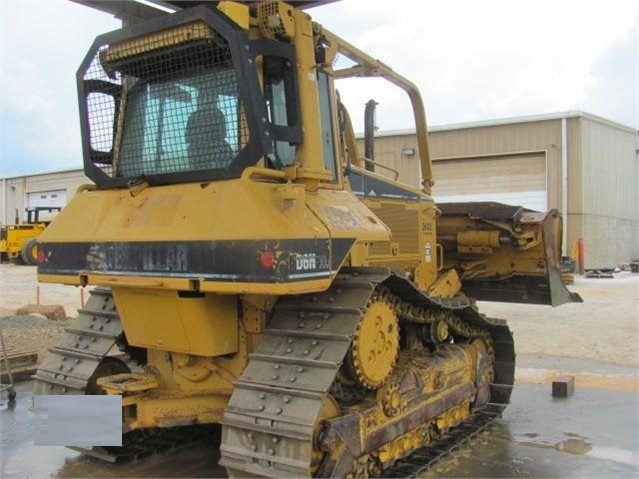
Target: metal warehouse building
x: 578, y: 163
x: 575, y: 162
x: 43, y: 189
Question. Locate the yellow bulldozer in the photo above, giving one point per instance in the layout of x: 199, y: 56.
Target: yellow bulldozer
x: 252, y: 272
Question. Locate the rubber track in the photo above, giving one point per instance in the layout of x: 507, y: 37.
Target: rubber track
x: 268, y: 423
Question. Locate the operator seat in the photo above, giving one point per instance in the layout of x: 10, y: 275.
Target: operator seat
x: 206, y: 139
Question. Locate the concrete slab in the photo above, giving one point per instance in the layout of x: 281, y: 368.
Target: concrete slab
x: 21, y: 459
x: 590, y: 434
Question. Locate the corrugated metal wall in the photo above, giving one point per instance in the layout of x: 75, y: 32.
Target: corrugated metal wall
x: 609, y: 198
x: 603, y: 202
x: 17, y: 188
x: 543, y: 137
x: 388, y: 150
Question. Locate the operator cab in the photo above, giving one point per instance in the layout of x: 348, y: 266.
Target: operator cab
x: 185, y: 102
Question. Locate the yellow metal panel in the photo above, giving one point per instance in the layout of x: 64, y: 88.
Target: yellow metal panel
x: 205, y: 326
x: 238, y: 12
x: 237, y: 209
x: 179, y: 410
x: 412, y: 245
x: 345, y: 216
x: 151, y: 319
x: 172, y: 284
x: 145, y: 282
x: 310, y: 153
x: 297, y: 287
x: 241, y: 209
x: 174, y: 36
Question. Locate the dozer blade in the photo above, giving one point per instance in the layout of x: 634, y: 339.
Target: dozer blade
x: 504, y: 253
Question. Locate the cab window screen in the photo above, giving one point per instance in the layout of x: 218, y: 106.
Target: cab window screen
x: 180, y: 125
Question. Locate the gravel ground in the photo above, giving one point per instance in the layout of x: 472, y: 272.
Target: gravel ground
x: 604, y: 327
x: 19, y: 286
x: 32, y: 332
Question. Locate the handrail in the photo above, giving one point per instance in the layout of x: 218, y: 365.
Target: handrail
x: 381, y: 165
x: 251, y: 171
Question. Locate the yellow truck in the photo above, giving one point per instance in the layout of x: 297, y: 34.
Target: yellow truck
x: 18, y: 241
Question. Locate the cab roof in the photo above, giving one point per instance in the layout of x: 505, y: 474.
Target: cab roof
x: 133, y: 11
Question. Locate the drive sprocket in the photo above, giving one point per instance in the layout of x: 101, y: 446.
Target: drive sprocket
x: 375, y: 345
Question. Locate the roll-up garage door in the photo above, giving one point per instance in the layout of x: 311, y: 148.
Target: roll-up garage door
x: 515, y: 180
x: 50, y: 198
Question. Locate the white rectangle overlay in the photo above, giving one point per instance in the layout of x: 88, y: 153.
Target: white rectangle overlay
x: 77, y: 420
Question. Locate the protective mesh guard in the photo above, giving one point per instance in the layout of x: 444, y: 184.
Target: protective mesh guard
x: 168, y: 103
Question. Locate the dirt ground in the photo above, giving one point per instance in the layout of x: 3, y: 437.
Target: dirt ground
x: 19, y: 286
x: 604, y: 327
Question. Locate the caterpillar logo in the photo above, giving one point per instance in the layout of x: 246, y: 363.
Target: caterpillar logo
x: 306, y: 262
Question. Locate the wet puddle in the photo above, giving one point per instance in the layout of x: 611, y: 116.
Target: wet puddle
x: 573, y: 446
x: 573, y: 443
x: 624, y: 456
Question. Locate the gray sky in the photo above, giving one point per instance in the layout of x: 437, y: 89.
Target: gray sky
x: 471, y: 60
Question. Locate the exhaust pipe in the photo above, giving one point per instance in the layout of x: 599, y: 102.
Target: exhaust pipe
x: 369, y: 133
